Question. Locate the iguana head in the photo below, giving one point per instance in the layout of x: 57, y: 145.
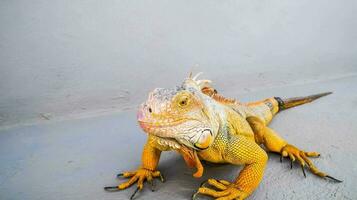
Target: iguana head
x: 184, y: 114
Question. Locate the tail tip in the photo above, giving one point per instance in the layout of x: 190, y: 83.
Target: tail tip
x: 295, y: 101
x: 316, y: 96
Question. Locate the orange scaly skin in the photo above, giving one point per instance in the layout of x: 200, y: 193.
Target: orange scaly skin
x: 200, y: 124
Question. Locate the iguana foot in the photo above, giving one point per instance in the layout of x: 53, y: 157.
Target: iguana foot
x: 296, y: 154
x: 140, y: 176
x: 225, y: 190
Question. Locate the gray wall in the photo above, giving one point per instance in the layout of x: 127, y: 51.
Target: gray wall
x: 66, y: 58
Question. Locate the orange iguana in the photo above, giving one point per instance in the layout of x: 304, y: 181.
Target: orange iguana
x: 200, y: 124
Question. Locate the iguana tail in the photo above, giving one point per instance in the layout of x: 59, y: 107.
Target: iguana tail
x: 296, y: 101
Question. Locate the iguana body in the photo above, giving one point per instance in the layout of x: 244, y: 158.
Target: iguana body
x: 200, y: 124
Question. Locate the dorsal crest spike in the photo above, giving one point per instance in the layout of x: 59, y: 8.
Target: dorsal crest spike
x: 190, y: 75
x: 196, y: 76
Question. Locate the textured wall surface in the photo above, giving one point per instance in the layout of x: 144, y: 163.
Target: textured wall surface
x: 70, y: 58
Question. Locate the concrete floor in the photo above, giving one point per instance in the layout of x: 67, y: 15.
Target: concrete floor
x: 75, y: 159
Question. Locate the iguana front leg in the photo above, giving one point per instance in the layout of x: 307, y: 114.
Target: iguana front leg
x: 273, y: 142
x: 238, y: 150
x: 146, y: 172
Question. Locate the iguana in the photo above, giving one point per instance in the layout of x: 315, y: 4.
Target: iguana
x: 201, y: 124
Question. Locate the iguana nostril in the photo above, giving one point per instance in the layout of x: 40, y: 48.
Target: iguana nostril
x: 150, y: 110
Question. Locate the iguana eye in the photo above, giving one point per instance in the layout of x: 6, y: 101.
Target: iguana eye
x: 183, y: 101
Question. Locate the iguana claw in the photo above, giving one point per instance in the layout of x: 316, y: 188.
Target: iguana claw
x: 194, y: 195
x: 133, y: 195
x: 203, y: 183
x: 303, y: 170
x: 111, y: 188
x: 334, y: 179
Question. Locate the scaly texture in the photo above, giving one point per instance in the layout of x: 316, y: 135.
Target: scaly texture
x: 200, y: 124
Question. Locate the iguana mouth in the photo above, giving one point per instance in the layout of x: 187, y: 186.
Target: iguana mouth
x: 161, y: 124
x: 148, y: 126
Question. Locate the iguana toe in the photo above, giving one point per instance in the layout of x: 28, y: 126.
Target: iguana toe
x: 140, y: 176
x: 225, y: 190
x: 302, y: 157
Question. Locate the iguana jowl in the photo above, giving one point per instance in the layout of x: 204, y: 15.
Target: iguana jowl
x: 200, y: 124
